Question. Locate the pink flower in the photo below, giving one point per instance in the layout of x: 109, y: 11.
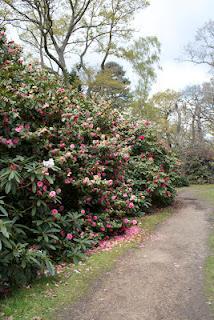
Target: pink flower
x: 54, y: 151
x: 86, y: 181
x: 68, y: 154
x: 9, y: 142
x: 40, y: 184
x: 72, y: 146
x: 133, y: 197
x: 134, y: 222
x: 147, y: 123
x: 125, y: 195
x: 44, y: 188
x: 131, y: 205
x: 54, y: 211
x: 62, y: 145
x: 19, y: 128
x: 110, y: 183
x: 27, y: 126
x: 83, y: 211
x: 126, y: 157
x: 141, y: 138
x: 62, y: 233
x: 114, y: 197
x: 52, y: 194
x: 126, y: 221
x: 95, y: 218
x: 69, y: 236
x: 108, y: 226
x: 75, y: 119
x: 102, y: 229
x: 60, y: 90
x: 68, y: 180
x: 16, y: 140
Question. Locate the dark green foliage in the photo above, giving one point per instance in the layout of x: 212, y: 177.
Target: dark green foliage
x: 182, y: 181
x: 112, y: 84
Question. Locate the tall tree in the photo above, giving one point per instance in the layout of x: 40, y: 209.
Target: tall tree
x: 169, y: 120
x: 74, y: 26
x: 208, y: 101
x: 112, y: 84
x: 143, y: 55
x: 201, y: 50
x: 199, y: 109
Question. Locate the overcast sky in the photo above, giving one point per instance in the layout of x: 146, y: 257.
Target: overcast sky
x: 175, y: 22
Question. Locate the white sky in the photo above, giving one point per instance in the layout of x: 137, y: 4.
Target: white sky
x: 175, y: 22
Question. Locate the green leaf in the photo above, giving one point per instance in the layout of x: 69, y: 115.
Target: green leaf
x: 50, y: 267
x: 11, y: 175
x: 7, y: 243
x: 8, y: 187
x: 2, y: 209
x: 33, y: 211
x: 4, y: 231
x: 34, y: 187
x: 50, y: 179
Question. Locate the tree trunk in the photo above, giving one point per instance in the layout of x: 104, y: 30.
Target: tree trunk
x: 62, y: 62
x: 193, y: 129
x: 178, y: 127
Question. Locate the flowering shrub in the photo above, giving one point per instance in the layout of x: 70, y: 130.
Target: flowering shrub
x: 72, y: 171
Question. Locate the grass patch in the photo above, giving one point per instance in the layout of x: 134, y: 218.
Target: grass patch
x: 209, y: 272
x: 206, y: 192
x: 148, y: 223
x: 48, y: 294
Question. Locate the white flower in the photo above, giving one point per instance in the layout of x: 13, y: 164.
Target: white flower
x: 96, y: 178
x: 48, y: 164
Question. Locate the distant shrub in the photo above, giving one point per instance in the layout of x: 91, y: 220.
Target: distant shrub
x: 199, y: 165
x: 182, y: 181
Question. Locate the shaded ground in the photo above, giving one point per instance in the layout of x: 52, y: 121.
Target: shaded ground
x: 163, y: 279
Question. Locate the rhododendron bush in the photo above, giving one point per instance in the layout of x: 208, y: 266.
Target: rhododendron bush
x: 73, y: 172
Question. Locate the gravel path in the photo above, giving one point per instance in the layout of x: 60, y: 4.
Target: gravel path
x: 161, y: 280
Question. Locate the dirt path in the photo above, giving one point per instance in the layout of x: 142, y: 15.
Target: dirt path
x: 162, y: 280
